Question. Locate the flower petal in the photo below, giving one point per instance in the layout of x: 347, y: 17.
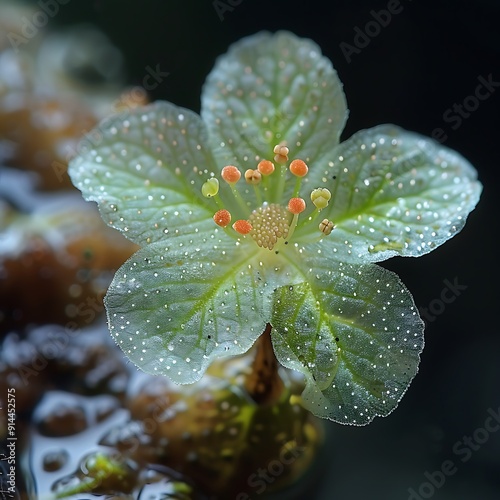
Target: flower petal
x: 270, y: 88
x: 145, y: 168
x: 176, y: 306
x: 355, y: 334
x: 393, y: 193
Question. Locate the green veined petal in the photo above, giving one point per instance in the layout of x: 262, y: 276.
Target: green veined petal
x: 393, y: 193
x: 176, y: 306
x: 145, y: 169
x: 270, y: 88
x: 355, y: 333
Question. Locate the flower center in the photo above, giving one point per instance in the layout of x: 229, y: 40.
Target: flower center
x: 273, y: 222
x: 269, y: 223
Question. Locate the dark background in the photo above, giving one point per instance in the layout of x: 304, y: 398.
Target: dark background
x: 427, y: 58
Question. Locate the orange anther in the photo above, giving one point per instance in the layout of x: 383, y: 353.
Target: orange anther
x: 298, y: 168
x: 242, y: 226
x: 231, y: 174
x: 265, y: 167
x: 296, y: 205
x: 222, y: 218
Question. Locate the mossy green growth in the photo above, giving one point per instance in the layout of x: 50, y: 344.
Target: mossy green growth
x: 103, y: 474
x: 100, y: 473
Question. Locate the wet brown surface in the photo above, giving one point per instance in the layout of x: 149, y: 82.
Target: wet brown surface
x: 44, y: 132
x: 55, y: 267
x: 89, y: 423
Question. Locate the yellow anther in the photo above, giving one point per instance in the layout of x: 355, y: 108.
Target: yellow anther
x: 231, y: 174
x: 266, y: 167
x: 242, y: 226
x: 326, y: 226
x: 222, y: 218
x: 281, y: 150
x: 298, y: 168
x: 281, y: 153
x: 253, y: 176
x: 296, y: 206
x: 210, y: 188
x: 320, y: 197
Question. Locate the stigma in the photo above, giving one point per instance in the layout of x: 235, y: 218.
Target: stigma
x: 272, y: 221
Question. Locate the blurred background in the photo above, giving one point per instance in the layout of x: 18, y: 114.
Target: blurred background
x: 420, y: 71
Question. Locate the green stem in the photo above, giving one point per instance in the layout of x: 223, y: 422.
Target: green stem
x: 258, y: 195
x: 281, y: 184
x: 240, y: 200
x: 298, y: 183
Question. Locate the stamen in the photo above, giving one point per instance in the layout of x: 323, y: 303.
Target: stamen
x: 242, y: 226
x: 231, y: 174
x: 298, y: 168
x: 326, y: 226
x: 296, y: 206
x: 266, y: 167
x: 222, y: 218
x: 272, y: 225
x: 320, y: 197
x: 281, y: 157
x: 210, y: 188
